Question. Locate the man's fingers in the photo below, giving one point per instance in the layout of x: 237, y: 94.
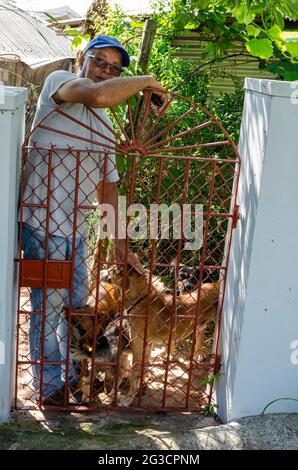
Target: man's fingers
x: 159, y: 93
x: 157, y: 100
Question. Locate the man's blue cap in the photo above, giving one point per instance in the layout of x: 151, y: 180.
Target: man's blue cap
x: 108, y: 41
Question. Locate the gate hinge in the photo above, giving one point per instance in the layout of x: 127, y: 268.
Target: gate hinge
x: 236, y: 215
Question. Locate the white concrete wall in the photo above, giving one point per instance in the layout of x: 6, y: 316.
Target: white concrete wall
x: 12, y: 119
x: 260, y: 315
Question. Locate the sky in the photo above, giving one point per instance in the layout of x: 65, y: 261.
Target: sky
x: 79, y: 6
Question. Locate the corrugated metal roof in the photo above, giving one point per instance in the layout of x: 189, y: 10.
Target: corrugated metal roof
x: 190, y: 46
x: 60, y: 13
x: 26, y: 36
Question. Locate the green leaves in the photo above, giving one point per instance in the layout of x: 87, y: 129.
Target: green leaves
x: 79, y: 40
x: 279, y: 19
x: 275, y: 33
x: 261, y: 48
x: 288, y: 8
x: 291, y: 76
x: 257, y: 24
x: 253, y: 30
x: 135, y: 24
x: 283, y: 69
x: 203, y: 3
x: 72, y: 32
x: 292, y: 48
x: 243, y: 14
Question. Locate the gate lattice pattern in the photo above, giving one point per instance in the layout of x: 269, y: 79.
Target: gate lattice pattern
x: 122, y: 339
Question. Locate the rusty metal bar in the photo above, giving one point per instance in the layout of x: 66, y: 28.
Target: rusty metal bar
x: 200, y: 280
x: 179, y: 135
x: 171, y: 126
x: 161, y: 113
x: 45, y: 269
x: 174, y: 318
x: 96, y: 312
x: 73, y: 255
x: 152, y: 262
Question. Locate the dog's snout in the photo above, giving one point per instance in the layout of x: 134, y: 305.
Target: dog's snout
x: 183, y: 273
x: 105, y: 275
x: 188, y: 286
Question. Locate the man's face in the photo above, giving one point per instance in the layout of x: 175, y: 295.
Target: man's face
x: 98, y: 64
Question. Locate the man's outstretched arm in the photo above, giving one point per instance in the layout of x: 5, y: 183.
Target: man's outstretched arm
x: 107, y: 93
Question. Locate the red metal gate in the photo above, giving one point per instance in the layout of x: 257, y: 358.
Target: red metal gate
x: 115, y: 338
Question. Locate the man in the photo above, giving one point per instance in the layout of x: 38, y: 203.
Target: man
x: 50, y: 193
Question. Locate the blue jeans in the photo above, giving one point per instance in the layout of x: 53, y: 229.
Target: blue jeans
x: 54, y: 340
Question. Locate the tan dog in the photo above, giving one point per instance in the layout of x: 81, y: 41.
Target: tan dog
x: 138, y: 296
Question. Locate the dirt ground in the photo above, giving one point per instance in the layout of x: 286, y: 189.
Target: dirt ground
x: 143, y: 431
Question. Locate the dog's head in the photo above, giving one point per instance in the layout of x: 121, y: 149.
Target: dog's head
x: 187, y: 279
x: 114, y: 335
x: 88, y: 323
x: 82, y: 332
x: 107, y: 341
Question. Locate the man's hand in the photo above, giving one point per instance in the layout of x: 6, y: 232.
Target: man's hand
x: 157, y: 89
x: 132, y: 258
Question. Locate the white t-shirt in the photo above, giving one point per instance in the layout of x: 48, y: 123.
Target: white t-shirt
x: 58, y: 192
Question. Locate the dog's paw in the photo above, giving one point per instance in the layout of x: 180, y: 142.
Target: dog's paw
x: 125, y: 400
x: 106, y: 399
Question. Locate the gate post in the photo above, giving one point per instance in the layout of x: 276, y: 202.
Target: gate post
x: 259, y: 336
x: 12, y: 120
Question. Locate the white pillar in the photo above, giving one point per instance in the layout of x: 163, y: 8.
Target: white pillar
x: 12, y: 119
x: 259, y: 336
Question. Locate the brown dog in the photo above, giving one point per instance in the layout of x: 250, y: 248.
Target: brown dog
x: 162, y: 318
